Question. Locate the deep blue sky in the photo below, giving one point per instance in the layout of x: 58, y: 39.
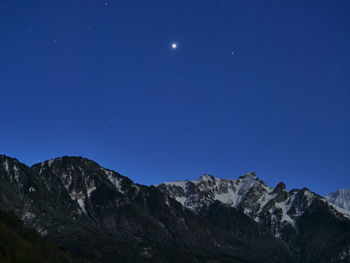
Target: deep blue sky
x: 253, y: 85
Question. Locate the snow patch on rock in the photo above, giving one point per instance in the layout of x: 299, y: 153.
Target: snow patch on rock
x: 114, y: 179
x: 7, y: 168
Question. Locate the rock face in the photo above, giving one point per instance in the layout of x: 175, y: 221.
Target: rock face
x: 105, y: 217
x: 297, y: 217
x: 340, y: 198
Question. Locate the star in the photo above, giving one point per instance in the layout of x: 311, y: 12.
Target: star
x: 174, y: 46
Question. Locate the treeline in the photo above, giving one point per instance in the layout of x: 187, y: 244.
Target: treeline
x: 19, y: 244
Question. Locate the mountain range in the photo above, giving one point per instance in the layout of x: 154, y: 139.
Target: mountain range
x: 97, y: 214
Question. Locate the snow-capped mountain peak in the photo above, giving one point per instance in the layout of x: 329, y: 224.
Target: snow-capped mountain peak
x: 340, y: 198
x: 276, y: 208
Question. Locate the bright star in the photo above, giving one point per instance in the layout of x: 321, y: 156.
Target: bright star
x: 174, y: 45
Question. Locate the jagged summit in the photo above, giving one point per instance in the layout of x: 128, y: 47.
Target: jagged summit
x: 206, y: 177
x: 276, y: 208
x: 251, y: 174
x: 280, y: 187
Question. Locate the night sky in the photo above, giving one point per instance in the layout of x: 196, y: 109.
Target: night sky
x: 251, y: 85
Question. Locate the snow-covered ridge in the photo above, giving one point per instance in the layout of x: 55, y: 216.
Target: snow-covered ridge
x: 273, y: 207
x: 340, y: 198
x: 194, y: 194
x: 207, y: 188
